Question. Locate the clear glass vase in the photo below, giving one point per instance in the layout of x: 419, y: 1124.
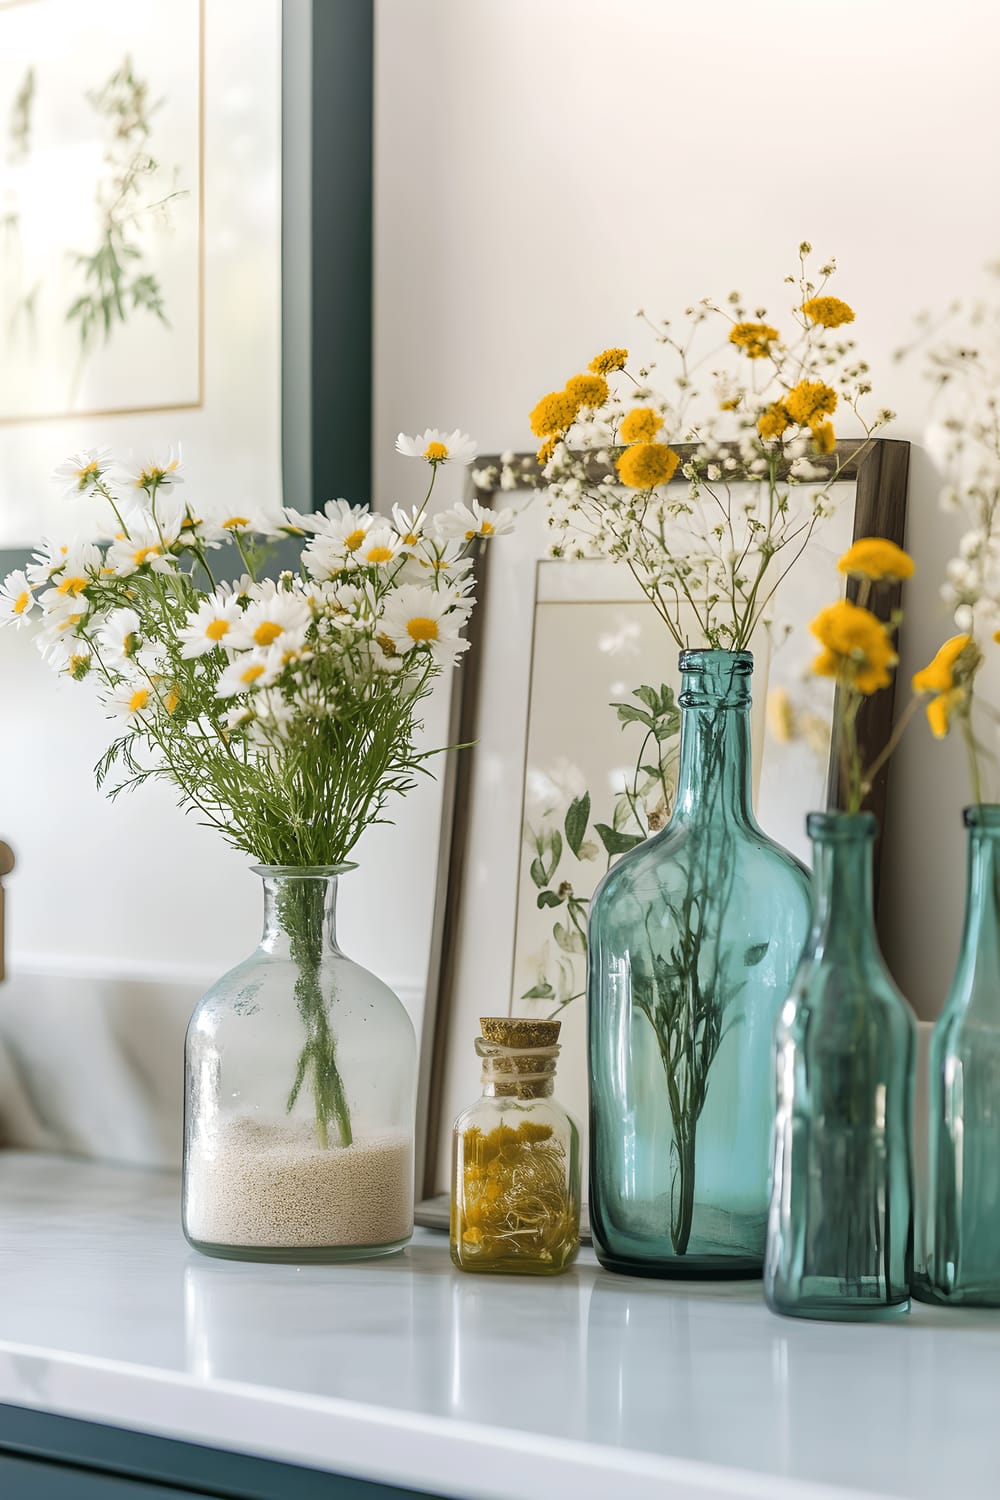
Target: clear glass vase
x: 963, y: 1211
x: 694, y: 938
x: 300, y: 1095
x: 840, y: 1228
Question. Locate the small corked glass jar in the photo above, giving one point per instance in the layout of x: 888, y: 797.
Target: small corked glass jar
x: 515, y: 1203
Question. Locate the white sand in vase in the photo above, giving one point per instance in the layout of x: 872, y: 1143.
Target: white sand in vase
x: 272, y: 1186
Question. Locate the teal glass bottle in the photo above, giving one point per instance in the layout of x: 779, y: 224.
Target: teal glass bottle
x: 963, y: 1217
x: 694, y: 937
x: 840, y: 1227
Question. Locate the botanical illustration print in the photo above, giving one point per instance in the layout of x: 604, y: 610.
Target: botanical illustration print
x: 100, y: 302
x: 569, y: 848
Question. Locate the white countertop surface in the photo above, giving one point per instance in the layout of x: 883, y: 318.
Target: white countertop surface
x: 589, y: 1386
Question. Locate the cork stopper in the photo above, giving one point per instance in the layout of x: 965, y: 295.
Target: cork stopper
x: 520, y: 1031
x: 519, y: 1056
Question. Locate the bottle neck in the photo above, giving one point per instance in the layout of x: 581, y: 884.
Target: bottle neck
x: 843, y: 890
x: 300, y: 913
x: 981, y: 932
x: 516, y: 1072
x: 715, y: 774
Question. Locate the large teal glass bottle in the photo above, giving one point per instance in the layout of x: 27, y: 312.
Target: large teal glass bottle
x: 963, y: 1219
x: 694, y: 938
x: 840, y: 1230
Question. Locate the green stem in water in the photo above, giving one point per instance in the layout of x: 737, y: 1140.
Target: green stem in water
x: 301, y: 907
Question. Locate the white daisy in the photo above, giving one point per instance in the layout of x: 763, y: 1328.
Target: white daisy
x: 16, y: 599
x: 68, y: 569
x: 334, y: 515
x: 337, y: 544
x: 380, y: 546
x: 131, y: 700
x: 280, y: 620
x: 145, y: 546
x: 83, y: 470
x: 120, y: 636
x: 442, y: 564
x: 415, y: 618
x: 249, y: 670
x: 470, y: 521
x: 272, y: 714
x: 211, y: 624
x: 158, y: 474
x: 409, y: 525
x: 438, y: 447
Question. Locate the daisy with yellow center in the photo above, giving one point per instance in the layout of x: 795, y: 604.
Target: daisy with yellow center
x: 949, y: 679
x: 857, y: 650
x: 379, y: 548
x: 283, y: 618
x: 248, y: 672
x: 830, y: 312
x: 417, y: 618
x: 755, y: 339
x: 436, y: 447
x: 877, y: 559
x: 158, y: 474
x: 120, y: 636
x: 130, y: 699
x: 467, y: 522
x: 640, y: 425
x: 409, y: 526
x: 16, y: 599
x: 645, y: 465
x: 210, y: 625
x: 83, y: 471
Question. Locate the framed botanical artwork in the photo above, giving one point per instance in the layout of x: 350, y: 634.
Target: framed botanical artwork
x: 569, y: 703
x: 170, y: 273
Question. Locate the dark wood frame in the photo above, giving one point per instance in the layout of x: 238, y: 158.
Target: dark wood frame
x: 879, y: 468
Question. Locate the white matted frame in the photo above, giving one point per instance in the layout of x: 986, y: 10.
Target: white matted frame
x: 555, y: 642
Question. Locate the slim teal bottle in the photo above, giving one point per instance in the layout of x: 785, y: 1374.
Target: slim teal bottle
x: 840, y: 1230
x: 963, y: 1218
x: 694, y: 938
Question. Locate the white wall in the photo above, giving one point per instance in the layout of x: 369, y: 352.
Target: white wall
x: 544, y: 167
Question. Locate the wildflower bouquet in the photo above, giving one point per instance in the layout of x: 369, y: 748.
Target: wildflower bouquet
x: 284, y: 711
x: 747, y: 426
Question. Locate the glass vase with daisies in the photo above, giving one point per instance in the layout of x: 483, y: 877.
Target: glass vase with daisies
x: 961, y: 1221
x: 707, y: 492
x: 839, y: 1228
x: 285, y: 712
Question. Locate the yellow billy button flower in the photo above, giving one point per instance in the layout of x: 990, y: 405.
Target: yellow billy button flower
x: 773, y: 420
x: 587, y: 390
x: 810, y: 401
x: 755, y: 339
x: 947, y: 677
x: 553, y: 415
x: 608, y: 361
x: 640, y: 425
x: 857, y: 650
x: 546, y: 451
x: 647, y: 464
x: 876, y: 558
x: 829, y: 311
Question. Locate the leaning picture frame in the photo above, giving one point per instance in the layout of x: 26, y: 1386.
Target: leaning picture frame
x: 554, y: 642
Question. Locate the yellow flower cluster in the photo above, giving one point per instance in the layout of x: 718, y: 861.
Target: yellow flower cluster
x: 515, y: 1196
x: 948, y: 677
x: 877, y: 559
x: 831, y: 312
x: 809, y: 402
x: 608, y: 361
x: 647, y: 464
x: 755, y: 339
x: 773, y: 420
x: 553, y: 416
x: 640, y: 425
x: 857, y: 650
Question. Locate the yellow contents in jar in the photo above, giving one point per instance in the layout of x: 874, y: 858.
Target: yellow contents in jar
x: 513, y: 1201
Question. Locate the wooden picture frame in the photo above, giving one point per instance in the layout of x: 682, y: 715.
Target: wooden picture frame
x: 878, y: 470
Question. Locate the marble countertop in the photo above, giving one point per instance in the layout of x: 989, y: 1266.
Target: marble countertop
x: 485, y: 1388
